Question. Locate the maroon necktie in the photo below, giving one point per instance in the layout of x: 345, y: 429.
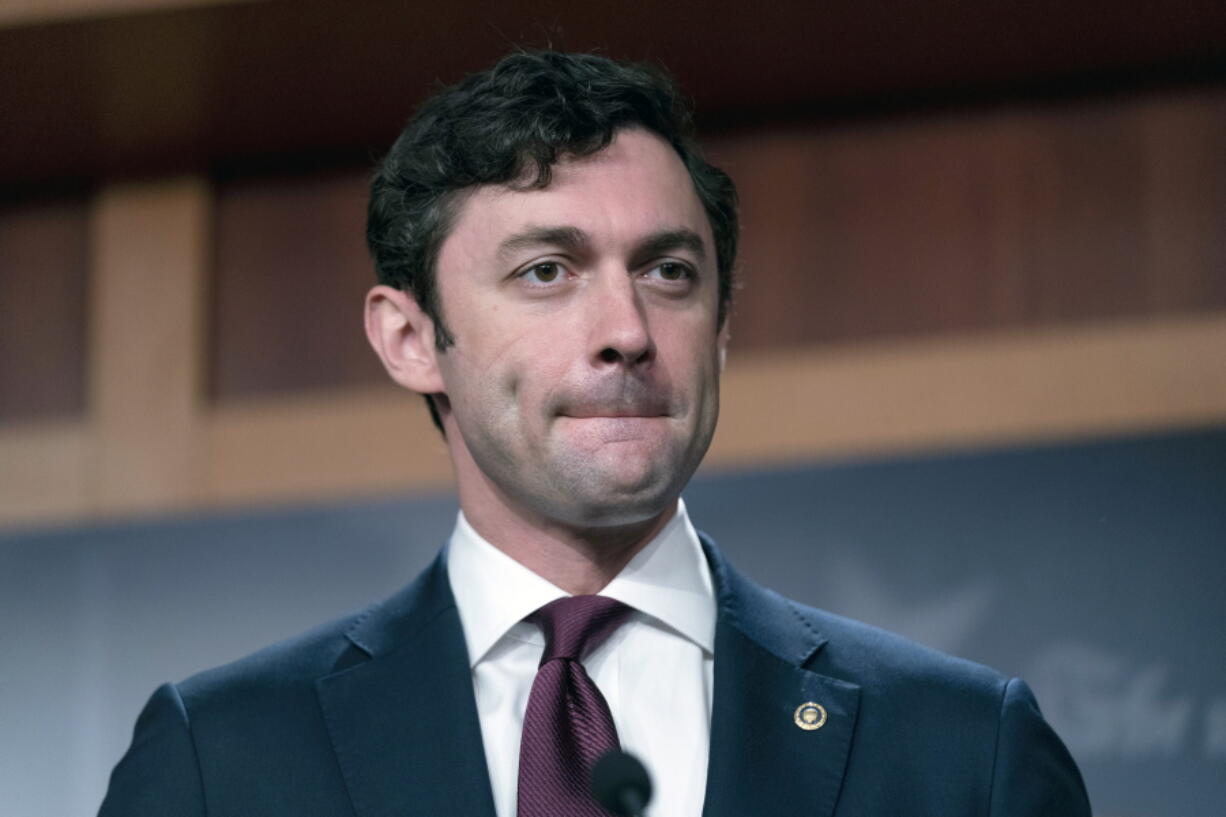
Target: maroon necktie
x: 567, y: 725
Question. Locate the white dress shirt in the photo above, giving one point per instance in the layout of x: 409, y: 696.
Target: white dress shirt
x: 655, y: 671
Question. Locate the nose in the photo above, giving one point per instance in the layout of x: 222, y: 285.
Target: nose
x: 620, y: 334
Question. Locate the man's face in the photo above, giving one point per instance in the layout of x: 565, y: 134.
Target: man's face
x: 583, y: 383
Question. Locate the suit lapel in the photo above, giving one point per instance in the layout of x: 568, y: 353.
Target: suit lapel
x: 404, y: 723
x: 761, y: 762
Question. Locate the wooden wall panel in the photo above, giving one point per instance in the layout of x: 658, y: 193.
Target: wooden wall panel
x: 1082, y: 204
x: 949, y: 224
x: 956, y: 279
x: 1000, y: 219
x: 290, y: 274
x: 1186, y: 141
x: 43, y: 291
x: 146, y: 350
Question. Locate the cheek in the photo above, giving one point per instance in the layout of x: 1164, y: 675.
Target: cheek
x: 535, y: 361
x: 489, y: 356
x: 512, y: 388
x: 690, y: 352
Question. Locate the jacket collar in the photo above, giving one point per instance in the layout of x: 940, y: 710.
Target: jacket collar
x: 404, y: 723
x: 405, y: 731
x: 762, y: 762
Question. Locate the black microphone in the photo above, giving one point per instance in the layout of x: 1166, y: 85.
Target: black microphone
x: 621, y: 784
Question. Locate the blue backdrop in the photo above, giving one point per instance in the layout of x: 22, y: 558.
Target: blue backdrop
x: 1094, y: 570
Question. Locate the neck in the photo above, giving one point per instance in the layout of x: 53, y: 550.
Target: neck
x: 581, y: 561
x: 579, y: 556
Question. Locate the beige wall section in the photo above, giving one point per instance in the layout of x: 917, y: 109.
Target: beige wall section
x: 44, y: 472
x: 138, y: 448
x: 361, y: 440
x: 780, y: 406
x: 147, y: 341
x: 1001, y: 388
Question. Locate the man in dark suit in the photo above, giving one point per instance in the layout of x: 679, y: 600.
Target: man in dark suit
x: 556, y: 261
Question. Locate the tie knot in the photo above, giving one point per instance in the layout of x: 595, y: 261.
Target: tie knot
x: 577, y: 625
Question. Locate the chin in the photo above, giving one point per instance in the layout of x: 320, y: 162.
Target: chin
x: 608, y: 500
x: 607, y: 514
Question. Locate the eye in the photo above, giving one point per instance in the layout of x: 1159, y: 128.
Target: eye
x: 673, y: 271
x: 546, y: 272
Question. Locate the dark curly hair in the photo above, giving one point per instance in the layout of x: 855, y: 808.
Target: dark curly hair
x: 509, y: 125
x: 512, y: 122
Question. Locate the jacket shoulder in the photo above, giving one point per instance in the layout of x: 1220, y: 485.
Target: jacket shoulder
x: 221, y: 735
x: 330, y: 648
x: 861, y: 652
x: 841, y: 648
x: 294, y: 662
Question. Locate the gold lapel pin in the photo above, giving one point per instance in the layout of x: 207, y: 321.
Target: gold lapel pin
x: 810, y: 716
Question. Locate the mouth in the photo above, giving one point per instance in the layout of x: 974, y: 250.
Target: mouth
x: 616, y: 400
x: 614, y: 414
x: 608, y: 426
x: 639, y: 409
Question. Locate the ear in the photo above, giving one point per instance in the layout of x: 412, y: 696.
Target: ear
x: 721, y: 341
x: 402, y: 335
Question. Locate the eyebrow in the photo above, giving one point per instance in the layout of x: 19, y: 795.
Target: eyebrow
x: 566, y: 238
x: 667, y: 241
x: 573, y: 239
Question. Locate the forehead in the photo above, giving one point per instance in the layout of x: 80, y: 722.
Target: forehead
x: 635, y: 187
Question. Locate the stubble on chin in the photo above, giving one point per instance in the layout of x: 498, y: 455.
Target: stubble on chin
x: 617, y: 483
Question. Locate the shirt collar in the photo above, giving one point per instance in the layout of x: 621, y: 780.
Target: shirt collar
x: 668, y: 580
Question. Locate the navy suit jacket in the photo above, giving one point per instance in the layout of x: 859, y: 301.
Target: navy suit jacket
x: 374, y: 716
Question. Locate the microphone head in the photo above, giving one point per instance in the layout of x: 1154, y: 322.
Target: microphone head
x: 620, y: 783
